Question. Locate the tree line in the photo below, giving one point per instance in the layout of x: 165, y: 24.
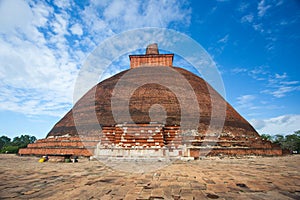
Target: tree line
x: 289, y: 142
x: 8, y: 145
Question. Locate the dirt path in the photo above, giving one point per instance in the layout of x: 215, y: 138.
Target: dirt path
x: 211, y: 178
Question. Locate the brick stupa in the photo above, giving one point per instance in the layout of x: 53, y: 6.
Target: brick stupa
x: 119, y: 138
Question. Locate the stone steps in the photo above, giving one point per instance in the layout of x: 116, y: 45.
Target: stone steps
x: 62, y: 146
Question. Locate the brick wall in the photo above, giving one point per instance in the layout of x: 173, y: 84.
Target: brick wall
x: 56, y: 151
x: 130, y: 137
x: 151, y: 60
x: 196, y: 153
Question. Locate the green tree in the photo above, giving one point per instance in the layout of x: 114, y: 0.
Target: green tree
x: 4, y: 140
x: 23, y: 141
x: 292, y: 142
x: 17, y: 143
x: 278, y: 139
x: 10, y: 149
x: 266, y: 137
x: 289, y: 142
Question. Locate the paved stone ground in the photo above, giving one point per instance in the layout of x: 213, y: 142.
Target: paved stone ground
x: 210, y: 178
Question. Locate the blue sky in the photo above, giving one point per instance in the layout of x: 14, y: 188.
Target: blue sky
x: 43, y: 44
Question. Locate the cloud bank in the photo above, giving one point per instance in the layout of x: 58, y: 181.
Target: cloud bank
x: 283, y: 125
x: 43, y: 45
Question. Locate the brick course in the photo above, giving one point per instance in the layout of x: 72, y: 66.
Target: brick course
x: 151, y: 60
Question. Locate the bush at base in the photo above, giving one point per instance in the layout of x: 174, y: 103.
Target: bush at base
x: 10, y: 149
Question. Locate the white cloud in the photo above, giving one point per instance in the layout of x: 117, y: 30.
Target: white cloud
x: 14, y: 14
x: 116, y: 9
x: 278, y: 76
x: 39, y: 61
x: 220, y: 45
x: 41, y: 12
x: 247, y: 18
x: 262, y: 8
x: 62, y: 3
x: 76, y: 29
x: 289, y: 82
x: 242, y: 7
x: 106, y: 18
x: 258, y: 124
x: 224, y: 39
x: 246, y: 102
x: 281, y: 90
x: 279, y: 85
x: 258, y: 27
x: 263, y: 21
x: 284, y: 124
x: 245, y: 99
x: 258, y: 73
x: 238, y: 70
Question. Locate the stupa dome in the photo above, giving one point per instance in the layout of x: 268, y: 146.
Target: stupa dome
x: 153, y: 108
x: 98, y: 100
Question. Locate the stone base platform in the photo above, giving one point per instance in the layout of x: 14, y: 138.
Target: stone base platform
x: 154, y: 140
x: 62, y: 146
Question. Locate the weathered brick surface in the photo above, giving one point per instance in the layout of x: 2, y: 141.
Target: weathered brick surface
x: 62, y: 146
x: 56, y: 151
x: 140, y: 103
x: 196, y: 153
x: 144, y: 136
x: 165, y: 60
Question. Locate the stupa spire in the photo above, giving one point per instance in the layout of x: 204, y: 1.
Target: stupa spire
x: 152, y: 49
x: 152, y: 58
